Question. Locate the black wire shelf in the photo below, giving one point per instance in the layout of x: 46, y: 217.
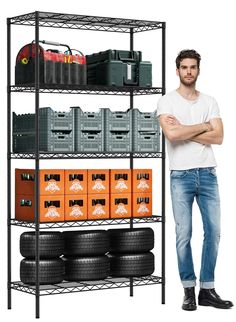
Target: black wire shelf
x: 86, y: 223
x: 82, y: 286
x: 87, y: 89
x: 87, y: 155
x: 85, y: 22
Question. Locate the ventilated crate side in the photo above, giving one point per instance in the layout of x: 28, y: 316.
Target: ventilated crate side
x: 118, y: 120
x: 118, y: 141
x: 147, y: 142
x: 145, y: 121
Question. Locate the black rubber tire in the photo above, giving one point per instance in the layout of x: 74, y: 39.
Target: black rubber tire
x: 51, y: 271
x: 51, y: 244
x: 86, y: 242
x: 86, y: 268
x: 136, y: 240
x: 128, y: 265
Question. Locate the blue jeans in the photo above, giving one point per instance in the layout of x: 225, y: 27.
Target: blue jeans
x: 186, y: 185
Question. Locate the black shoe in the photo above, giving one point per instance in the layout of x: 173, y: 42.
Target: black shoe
x: 189, y: 303
x: 209, y: 297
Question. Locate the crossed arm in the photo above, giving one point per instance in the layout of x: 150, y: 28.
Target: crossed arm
x: 205, y: 133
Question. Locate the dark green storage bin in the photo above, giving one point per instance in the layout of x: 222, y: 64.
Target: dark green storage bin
x: 118, y: 68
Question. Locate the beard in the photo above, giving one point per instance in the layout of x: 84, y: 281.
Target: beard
x: 188, y: 82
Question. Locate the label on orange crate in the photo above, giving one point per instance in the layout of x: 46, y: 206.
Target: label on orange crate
x: 52, y: 186
x: 76, y: 212
x: 121, y: 210
x: 76, y: 186
x: 98, y: 210
x: 98, y: 186
x: 142, y: 209
x: 121, y: 185
x: 143, y: 185
x: 52, y: 213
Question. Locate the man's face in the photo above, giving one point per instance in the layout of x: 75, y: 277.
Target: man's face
x: 188, y: 71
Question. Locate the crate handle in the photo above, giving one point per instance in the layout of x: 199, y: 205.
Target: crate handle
x: 48, y: 177
x: 121, y: 200
x: 78, y: 51
x: 55, y: 203
x: 76, y: 176
x: 98, y: 176
x: 98, y: 202
x: 25, y: 203
x: 27, y: 177
x: 131, y: 59
x: 76, y: 203
x: 53, y: 43
x: 121, y: 176
x: 140, y: 200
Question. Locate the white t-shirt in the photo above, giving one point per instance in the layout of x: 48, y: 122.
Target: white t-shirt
x: 187, y: 154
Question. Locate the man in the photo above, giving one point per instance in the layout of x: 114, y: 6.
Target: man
x: 191, y: 123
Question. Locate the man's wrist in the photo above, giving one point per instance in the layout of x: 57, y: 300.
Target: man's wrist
x: 206, y: 126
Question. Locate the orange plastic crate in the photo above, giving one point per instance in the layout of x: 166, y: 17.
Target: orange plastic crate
x: 76, y: 182
x: 98, y: 206
x: 76, y: 207
x: 142, y: 204
x: 120, y: 181
x: 51, y: 181
x: 51, y: 208
x: 142, y: 180
x: 98, y: 181
x: 120, y: 205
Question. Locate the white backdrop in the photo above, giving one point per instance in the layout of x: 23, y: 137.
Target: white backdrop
x: 207, y: 26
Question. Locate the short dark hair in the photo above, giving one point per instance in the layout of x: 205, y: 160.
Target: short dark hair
x: 187, y: 53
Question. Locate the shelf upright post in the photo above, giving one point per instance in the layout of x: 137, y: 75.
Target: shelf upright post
x: 131, y: 105
x: 163, y: 168
x: 9, y: 162
x: 37, y: 78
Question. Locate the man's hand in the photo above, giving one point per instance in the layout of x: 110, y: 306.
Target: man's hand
x: 214, y: 135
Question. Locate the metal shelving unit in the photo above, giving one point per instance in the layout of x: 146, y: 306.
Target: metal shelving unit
x: 82, y: 22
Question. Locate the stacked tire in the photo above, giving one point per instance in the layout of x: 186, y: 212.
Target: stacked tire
x: 85, y: 255
x: 51, y: 266
x: 129, y: 253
